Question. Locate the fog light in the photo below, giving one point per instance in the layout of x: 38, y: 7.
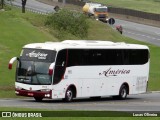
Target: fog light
x: 47, y: 95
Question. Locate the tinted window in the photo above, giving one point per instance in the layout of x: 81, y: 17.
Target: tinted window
x: 133, y: 57
x: 107, y: 57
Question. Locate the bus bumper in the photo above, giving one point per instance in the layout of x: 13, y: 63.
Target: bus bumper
x: 28, y: 93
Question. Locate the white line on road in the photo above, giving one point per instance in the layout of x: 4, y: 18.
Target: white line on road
x: 143, y: 35
x: 158, y: 33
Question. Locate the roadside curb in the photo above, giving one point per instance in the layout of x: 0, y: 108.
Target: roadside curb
x: 155, y: 91
x: 149, y: 92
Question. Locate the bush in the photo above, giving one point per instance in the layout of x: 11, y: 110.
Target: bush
x: 69, y: 21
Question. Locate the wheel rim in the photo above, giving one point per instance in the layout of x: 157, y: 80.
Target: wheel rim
x: 69, y: 95
x: 123, y: 93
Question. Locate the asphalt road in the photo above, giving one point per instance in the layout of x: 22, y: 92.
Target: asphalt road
x: 140, y: 32
x: 34, y: 6
x: 141, y: 102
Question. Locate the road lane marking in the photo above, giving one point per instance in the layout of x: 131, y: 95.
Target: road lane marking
x: 142, y: 35
x: 158, y: 33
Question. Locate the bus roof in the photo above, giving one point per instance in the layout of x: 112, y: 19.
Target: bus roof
x: 84, y: 44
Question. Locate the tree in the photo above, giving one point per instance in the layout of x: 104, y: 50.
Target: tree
x: 2, y: 3
x: 23, y: 5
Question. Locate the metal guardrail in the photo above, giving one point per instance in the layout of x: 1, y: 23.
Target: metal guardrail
x: 135, y: 13
x: 75, y: 2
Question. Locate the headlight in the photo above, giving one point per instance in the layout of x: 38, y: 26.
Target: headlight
x: 18, y: 87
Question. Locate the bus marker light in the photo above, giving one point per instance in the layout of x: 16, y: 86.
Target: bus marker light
x: 50, y: 71
x: 10, y: 66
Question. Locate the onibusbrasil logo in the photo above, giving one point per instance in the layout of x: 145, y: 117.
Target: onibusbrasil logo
x: 20, y: 114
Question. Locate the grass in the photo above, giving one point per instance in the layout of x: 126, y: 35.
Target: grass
x: 154, y: 68
x: 17, y: 29
x: 151, y: 6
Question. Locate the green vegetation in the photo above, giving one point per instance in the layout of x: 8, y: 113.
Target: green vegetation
x: 154, y: 68
x: 69, y: 21
x: 17, y: 29
x: 151, y: 6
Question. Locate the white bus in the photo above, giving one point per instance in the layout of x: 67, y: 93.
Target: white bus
x: 81, y: 68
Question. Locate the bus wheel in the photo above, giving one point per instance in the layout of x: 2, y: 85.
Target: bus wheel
x: 69, y: 95
x: 38, y: 99
x: 123, y: 92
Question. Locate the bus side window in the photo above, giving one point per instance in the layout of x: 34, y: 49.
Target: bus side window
x: 75, y: 57
x: 138, y: 57
x: 61, y: 58
x: 125, y: 57
x: 118, y: 57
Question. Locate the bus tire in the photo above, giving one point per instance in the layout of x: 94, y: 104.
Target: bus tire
x: 123, y: 92
x: 38, y: 99
x: 69, y: 95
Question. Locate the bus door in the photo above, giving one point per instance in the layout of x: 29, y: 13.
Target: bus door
x: 60, y: 66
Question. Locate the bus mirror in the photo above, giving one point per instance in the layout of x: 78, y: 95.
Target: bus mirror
x: 50, y: 72
x: 11, y: 62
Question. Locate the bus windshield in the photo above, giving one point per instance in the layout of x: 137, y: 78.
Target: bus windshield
x: 33, y: 66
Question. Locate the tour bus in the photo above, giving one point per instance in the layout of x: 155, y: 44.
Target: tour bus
x: 81, y: 68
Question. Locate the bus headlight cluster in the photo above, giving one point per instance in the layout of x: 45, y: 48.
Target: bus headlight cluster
x: 47, y: 95
x: 19, y: 88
